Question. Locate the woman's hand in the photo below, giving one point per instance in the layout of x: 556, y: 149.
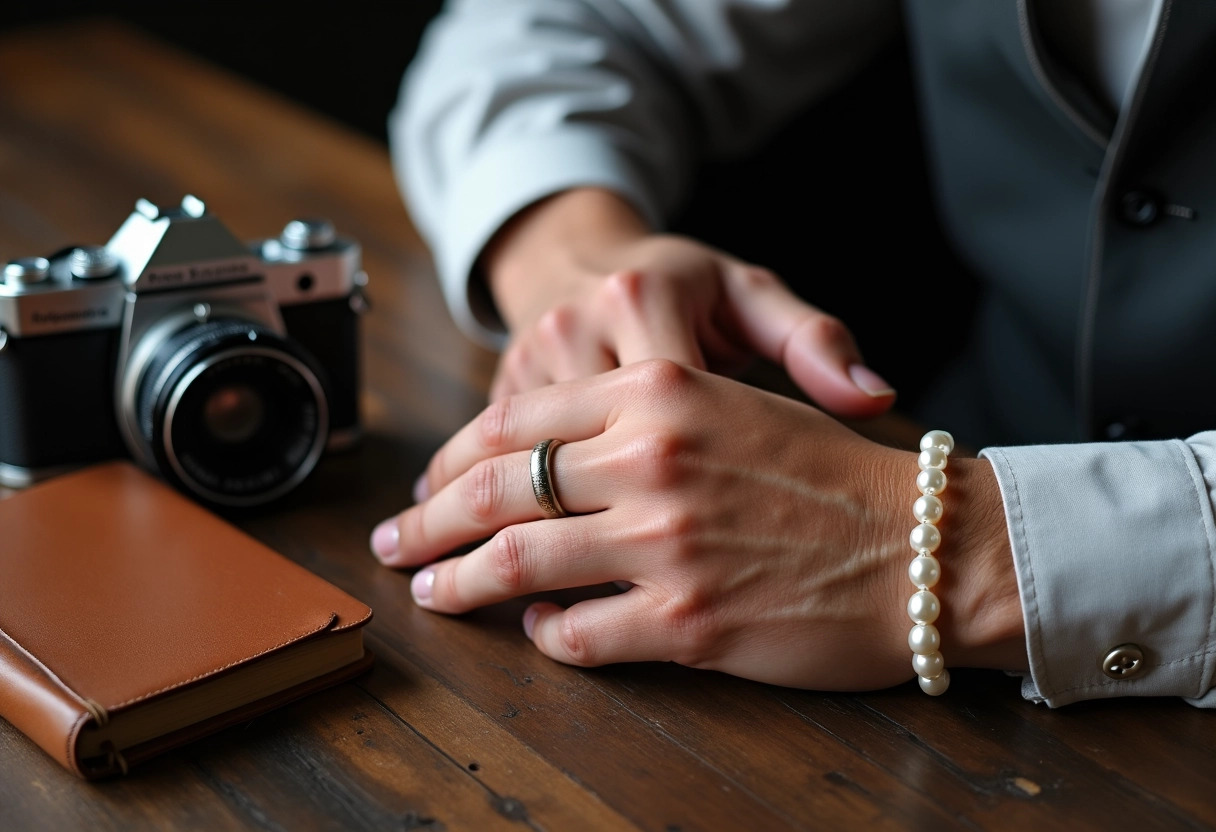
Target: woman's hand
x: 585, y: 287
x: 761, y: 537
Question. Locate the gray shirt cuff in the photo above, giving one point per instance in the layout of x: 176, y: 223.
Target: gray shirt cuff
x: 1113, y: 544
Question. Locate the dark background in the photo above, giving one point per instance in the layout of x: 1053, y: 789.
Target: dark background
x: 342, y: 59
x: 838, y: 203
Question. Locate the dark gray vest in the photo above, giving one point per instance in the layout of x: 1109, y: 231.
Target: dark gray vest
x: 1096, y: 238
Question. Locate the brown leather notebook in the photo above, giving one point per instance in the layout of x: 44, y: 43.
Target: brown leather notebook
x: 133, y: 620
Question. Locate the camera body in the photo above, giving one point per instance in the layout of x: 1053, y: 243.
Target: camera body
x: 229, y: 368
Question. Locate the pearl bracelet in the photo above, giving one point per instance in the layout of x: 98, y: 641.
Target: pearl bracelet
x: 924, y: 571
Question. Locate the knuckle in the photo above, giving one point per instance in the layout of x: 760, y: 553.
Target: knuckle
x: 758, y: 277
x: 574, y: 636
x: 659, y: 376
x: 827, y: 329
x: 494, y: 424
x: 672, y: 533
x: 677, y: 526
x: 558, y: 324
x: 656, y: 457
x: 625, y: 287
x: 517, y: 359
x: 507, y: 560
x: 482, y: 489
x: 690, y: 626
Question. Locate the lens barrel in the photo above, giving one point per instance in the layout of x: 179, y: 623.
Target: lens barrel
x: 233, y: 412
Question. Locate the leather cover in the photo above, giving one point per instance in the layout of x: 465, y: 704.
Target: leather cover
x: 115, y: 588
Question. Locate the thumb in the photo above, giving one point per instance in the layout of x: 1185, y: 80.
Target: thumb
x: 816, y: 349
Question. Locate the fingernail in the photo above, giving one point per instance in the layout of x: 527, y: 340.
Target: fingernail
x: 529, y: 620
x: 421, y: 587
x: 421, y: 492
x: 385, y: 538
x: 870, y: 382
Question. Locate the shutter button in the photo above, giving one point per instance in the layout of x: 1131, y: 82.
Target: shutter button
x: 1123, y: 662
x: 1139, y: 208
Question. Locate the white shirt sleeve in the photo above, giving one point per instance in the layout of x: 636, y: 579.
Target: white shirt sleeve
x: 509, y: 101
x: 1114, y: 547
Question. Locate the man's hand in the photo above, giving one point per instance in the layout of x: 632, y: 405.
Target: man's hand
x: 758, y: 536
x: 584, y: 287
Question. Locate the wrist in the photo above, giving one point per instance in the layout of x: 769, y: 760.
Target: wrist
x: 981, y: 620
x: 554, y: 244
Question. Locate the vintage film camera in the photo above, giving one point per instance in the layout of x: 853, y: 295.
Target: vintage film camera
x: 228, y: 368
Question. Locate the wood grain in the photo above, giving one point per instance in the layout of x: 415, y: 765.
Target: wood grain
x: 462, y: 724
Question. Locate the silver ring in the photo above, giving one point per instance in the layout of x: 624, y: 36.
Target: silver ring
x: 541, y: 467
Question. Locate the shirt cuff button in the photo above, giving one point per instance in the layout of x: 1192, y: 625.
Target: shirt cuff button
x: 1123, y: 662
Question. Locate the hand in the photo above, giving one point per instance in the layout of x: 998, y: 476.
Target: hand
x: 584, y: 287
x: 761, y: 537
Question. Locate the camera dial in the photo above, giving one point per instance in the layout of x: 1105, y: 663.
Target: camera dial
x: 308, y: 234
x: 91, y: 262
x: 27, y: 271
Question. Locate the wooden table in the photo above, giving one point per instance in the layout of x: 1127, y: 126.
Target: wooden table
x: 462, y: 724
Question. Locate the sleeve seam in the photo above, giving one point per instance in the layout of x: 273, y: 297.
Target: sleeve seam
x: 1193, y: 657
x: 1016, y: 530
x: 1204, y: 499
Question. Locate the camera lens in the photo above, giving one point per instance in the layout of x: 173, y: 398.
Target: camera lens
x: 233, y: 411
x: 233, y: 414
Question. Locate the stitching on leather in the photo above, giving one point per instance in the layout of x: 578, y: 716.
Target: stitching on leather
x: 356, y: 623
x: 214, y: 671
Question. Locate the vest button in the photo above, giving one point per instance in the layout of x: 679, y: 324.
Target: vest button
x: 1139, y: 208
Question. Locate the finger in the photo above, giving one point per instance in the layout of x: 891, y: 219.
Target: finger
x: 569, y: 411
x: 518, y: 371
x: 521, y: 559
x: 590, y: 360
x: 502, y: 386
x: 620, y: 628
x: 650, y: 321
x: 816, y: 349
x: 494, y: 493
x: 568, y: 346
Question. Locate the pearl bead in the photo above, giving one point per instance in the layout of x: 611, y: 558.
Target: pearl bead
x: 924, y: 571
x: 929, y: 666
x: 925, y: 536
x: 931, y: 481
x: 924, y: 639
x: 931, y: 458
x: 936, y: 687
x: 939, y: 439
x: 923, y: 607
x: 927, y: 509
